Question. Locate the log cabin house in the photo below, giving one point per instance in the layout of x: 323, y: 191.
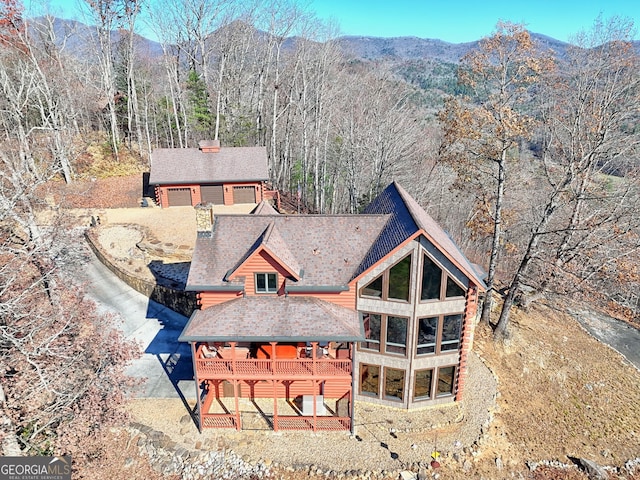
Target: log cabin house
x: 208, y: 174
x: 325, y: 310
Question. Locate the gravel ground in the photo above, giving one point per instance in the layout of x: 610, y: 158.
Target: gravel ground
x: 386, y: 438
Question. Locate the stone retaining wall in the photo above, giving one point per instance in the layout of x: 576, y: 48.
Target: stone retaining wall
x: 177, y: 300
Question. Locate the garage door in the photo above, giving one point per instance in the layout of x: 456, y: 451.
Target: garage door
x: 179, y: 197
x: 212, y: 194
x: 244, y: 195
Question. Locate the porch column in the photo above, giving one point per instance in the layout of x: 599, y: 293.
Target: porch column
x: 275, y: 386
x: 194, y: 361
x: 352, y: 407
x: 237, y: 403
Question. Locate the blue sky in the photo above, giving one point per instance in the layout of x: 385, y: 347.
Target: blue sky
x: 467, y: 20
x: 450, y: 20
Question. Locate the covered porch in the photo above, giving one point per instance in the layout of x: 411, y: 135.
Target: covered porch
x: 307, y: 373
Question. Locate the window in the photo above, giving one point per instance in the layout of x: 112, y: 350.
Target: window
x: 393, y: 284
x: 393, y: 383
x: 451, y: 327
x: 396, y: 335
x: 422, y: 384
x: 453, y: 289
x: 394, y: 339
x: 427, y: 335
x: 446, y: 376
x: 439, y: 334
x: 373, y: 289
x: 369, y: 380
x: 400, y: 279
x: 266, y: 283
x: 432, y: 282
x: 372, y: 323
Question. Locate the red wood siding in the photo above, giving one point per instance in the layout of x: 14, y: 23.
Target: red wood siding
x: 345, y: 299
x: 163, y: 200
x: 208, y: 299
x: 261, y: 262
x: 332, y: 389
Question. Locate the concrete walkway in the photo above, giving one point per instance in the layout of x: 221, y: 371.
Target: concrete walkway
x: 619, y: 335
x: 166, y: 366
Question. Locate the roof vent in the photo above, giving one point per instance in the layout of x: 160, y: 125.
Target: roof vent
x: 209, y: 146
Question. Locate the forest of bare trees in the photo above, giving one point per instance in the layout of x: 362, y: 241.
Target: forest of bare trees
x: 533, y: 172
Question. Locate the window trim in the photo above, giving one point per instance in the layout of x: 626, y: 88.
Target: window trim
x: 429, y: 395
x: 384, y: 331
x: 267, y: 290
x: 439, y: 332
x: 454, y: 378
x: 360, y: 390
x: 391, y: 398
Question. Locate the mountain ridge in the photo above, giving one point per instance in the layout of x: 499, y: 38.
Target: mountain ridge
x: 355, y: 46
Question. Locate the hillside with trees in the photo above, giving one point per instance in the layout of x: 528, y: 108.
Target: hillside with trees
x: 524, y: 148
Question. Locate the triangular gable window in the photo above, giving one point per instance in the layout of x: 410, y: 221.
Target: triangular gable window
x: 453, y: 289
x: 374, y: 288
x: 433, y: 277
x: 393, y: 284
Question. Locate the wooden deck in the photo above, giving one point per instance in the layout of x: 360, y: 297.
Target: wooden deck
x: 254, y: 369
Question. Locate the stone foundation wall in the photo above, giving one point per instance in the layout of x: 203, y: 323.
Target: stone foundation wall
x: 177, y: 300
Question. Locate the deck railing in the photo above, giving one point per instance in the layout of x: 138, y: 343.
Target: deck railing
x: 290, y: 422
x: 219, y: 420
x: 210, y: 368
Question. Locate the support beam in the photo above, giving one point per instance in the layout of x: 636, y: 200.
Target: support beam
x: 237, y: 403
x: 275, y: 387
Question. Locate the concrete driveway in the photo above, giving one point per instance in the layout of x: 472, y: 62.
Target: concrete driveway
x: 166, y: 365
x: 619, y: 335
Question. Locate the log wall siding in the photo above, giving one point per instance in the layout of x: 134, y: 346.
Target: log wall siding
x: 466, y: 340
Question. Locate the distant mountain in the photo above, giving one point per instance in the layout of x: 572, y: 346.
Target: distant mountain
x: 411, y: 48
x: 403, y: 48
x: 76, y: 35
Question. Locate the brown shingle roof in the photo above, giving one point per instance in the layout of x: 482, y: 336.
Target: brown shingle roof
x: 327, y: 249
x: 264, y: 208
x: 273, y: 318
x: 190, y: 165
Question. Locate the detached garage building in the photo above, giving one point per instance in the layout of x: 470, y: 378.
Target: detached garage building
x: 208, y: 174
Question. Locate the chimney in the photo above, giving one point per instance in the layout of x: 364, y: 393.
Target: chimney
x: 209, y: 146
x: 204, y: 219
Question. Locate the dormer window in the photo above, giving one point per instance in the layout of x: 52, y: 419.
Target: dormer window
x: 266, y: 283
